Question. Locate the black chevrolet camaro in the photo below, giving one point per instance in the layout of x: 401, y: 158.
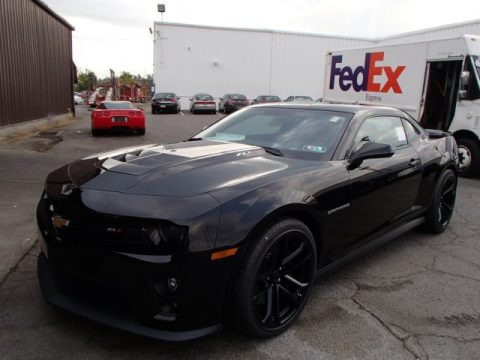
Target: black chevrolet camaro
x: 233, y: 225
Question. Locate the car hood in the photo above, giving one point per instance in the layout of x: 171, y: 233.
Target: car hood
x: 182, y: 169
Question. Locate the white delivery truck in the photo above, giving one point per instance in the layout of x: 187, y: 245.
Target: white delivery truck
x: 437, y: 82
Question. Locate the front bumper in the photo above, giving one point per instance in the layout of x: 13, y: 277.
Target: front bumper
x: 129, y: 289
x: 53, y: 294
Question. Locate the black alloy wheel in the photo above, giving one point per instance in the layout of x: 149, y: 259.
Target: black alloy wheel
x: 447, y: 201
x: 443, y: 203
x: 276, y: 279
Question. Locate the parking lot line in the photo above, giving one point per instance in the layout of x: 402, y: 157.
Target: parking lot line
x: 181, y: 113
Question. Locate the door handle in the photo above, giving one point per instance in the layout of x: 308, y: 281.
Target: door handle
x: 414, y: 162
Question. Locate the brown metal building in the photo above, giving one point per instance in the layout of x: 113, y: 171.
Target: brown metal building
x: 36, y: 67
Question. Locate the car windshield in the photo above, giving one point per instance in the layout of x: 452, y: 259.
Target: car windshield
x: 164, y: 95
x: 116, y: 105
x: 204, y: 97
x: 295, y: 132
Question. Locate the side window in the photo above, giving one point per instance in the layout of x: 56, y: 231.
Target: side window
x: 381, y: 129
x: 413, y: 134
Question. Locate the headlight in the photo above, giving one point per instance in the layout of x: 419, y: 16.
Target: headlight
x: 168, y: 234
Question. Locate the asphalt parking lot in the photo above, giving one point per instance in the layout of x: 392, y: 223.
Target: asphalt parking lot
x: 418, y: 297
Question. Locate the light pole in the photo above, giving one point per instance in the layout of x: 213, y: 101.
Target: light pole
x: 161, y: 10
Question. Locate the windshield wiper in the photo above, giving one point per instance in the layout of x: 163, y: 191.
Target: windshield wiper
x: 273, y: 151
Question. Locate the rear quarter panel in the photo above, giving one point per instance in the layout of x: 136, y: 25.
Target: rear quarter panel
x: 436, y: 154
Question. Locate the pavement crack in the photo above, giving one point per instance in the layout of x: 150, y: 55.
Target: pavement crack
x: 387, y: 327
x: 454, y: 338
x: 15, y: 267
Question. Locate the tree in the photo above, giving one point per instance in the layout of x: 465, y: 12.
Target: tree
x: 87, y: 80
x: 126, y: 78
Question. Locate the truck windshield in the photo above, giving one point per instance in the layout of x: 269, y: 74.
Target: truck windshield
x: 473, y: 88
x: 476, y: 61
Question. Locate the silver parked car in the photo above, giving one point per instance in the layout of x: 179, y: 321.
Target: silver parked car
x: 203, y: 103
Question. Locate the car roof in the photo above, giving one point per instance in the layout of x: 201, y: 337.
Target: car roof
x: 347, y: 108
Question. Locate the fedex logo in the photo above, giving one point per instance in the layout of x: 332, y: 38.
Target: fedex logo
x: 370, y: 71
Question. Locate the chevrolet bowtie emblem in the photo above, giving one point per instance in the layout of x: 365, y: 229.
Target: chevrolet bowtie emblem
x: 67, y: 189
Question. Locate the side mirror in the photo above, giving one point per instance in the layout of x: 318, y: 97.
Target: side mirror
x: 465, y: 78
x: 370, y: 150
x: 462, y: 94
x: 191, y: 99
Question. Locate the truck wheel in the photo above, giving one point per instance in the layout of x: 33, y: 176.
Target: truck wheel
x: 469, y: 154
x: 441, y: 209
x: 275, y: 279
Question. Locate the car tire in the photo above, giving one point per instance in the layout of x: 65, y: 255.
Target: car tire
x: 264, y: 277
x: 469, y: 152
x: 154, y: 111
x: 95, y: 132
x: 441, y: 208
x: 141, y: 132
x: 192, y: 111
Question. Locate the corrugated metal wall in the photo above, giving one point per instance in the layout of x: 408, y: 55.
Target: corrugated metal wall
x: 36, y: 75
x: 448, y: 31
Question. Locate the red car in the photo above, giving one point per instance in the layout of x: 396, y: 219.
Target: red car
x: 117, y: 115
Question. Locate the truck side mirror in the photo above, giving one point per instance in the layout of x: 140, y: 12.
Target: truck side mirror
x: 465, y: 78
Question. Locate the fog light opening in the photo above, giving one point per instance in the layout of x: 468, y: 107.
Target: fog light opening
x: 172, y: 284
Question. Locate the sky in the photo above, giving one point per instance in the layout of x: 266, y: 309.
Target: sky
x: 114, y: 34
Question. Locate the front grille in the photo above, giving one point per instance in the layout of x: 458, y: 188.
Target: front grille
x: 69, y: 222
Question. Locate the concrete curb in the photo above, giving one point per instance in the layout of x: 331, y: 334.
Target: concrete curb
x: 12, y: 131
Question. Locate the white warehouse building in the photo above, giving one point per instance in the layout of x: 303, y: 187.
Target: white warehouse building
x: 189, y: 59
